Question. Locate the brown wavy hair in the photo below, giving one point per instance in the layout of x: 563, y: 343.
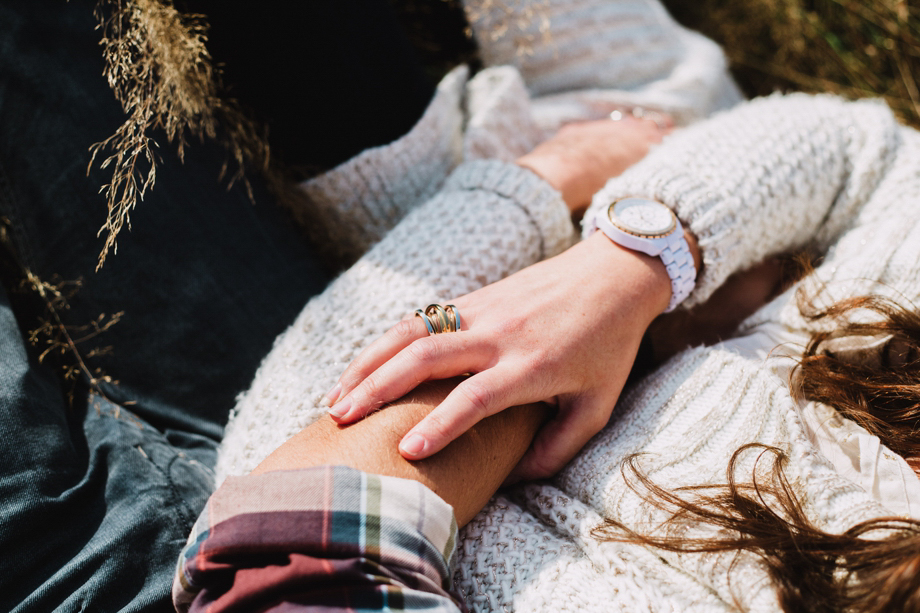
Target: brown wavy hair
x: 874, y: 566
x: 880, y: 389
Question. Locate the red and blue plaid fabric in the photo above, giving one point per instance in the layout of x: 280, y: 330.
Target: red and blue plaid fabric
x: 320, y: 539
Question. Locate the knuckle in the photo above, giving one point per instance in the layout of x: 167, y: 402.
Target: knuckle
x: 423, y: 351
x: 479, y: 396
x: 537, y: 363
x: 370, y: 389
x: 509, y: 327
x: 350, y: 377
x: 437, y: 425
x: 406, y: 329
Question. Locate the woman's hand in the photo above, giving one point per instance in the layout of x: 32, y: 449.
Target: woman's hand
x: 564, y: 331
x: 580, y: 158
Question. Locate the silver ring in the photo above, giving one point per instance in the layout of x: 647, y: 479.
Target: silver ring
x: 421, y: 313
x: 440, y: 319
x: 641, y: 113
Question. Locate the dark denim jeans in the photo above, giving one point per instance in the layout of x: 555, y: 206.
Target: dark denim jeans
x: 98, y: 498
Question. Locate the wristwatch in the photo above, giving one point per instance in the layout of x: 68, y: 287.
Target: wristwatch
x: 649, y: 226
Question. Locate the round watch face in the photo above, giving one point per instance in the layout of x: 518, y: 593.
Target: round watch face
x: 642, y: 217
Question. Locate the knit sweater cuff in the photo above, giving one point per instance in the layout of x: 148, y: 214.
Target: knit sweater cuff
x: 542, y: 204
x: 359, y: 201
x: 768, y: 177
x: 689, y: 198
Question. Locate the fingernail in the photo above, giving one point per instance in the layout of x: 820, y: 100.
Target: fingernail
x: 413, y: 445
x: 332, y: 396
x: 340, y: 409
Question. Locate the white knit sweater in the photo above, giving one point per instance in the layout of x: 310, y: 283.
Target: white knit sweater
x: 773, y: 175
x: 549, y: 62
x: 491, y: 218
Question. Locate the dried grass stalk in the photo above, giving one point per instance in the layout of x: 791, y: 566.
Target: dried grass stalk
x: 61, y: 341
x: 516, y: 18
x: 161, y: 72
x: 849, y: 47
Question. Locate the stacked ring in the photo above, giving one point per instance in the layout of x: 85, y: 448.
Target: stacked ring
x: 641, y: 113
x: 440, y: 319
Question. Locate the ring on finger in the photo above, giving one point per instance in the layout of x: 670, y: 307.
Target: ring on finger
x: 440, y: 319
x: 454, y: 314
x: 639, y: 112
x: 438, y: 316
x: 421, y: 313
x: 643, y: 113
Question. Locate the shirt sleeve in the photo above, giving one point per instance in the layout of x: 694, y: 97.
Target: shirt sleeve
x: 330, y: 538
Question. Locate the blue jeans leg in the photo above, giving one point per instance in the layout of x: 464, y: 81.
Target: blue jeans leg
x: 205, y: 277
x: 97, y: 498
x: 96, y: 502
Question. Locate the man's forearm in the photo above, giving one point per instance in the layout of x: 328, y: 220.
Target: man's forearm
x: 465, y: 474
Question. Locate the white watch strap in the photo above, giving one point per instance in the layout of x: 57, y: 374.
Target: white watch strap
x: 675, y: 253
x: 678, y: 261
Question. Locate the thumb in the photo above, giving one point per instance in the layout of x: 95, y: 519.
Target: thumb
x: 561, y: 438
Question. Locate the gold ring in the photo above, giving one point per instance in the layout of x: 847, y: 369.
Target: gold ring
x: 454, y: 313
x: 440, y: 319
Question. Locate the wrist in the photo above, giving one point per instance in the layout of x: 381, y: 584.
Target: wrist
x: 651, y: 228
x: 557, y: 172
x: 694, y: 247
x: 643, y: 278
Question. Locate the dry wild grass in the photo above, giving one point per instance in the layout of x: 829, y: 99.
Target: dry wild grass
x: 40, y: 306
x: 160, y: 70
x: 158, y: 67
x: 855, y: 48
x: 517, y: 19
x: 61, y: 341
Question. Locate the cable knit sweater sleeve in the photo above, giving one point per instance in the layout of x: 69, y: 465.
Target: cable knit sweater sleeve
x: 768, y: 177
x: 489, y: 220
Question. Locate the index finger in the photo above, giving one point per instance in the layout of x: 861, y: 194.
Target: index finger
x: 484, y: 394
x: 376, y: 354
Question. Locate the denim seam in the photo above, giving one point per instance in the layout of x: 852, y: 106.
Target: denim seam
x: 176, y: 500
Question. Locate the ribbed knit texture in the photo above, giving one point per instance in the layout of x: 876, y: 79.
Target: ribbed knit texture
x: 581, y: 60
x: 491, y: 218
x: 779, y: 170
x: 770, y: 176
x: 769, y: 199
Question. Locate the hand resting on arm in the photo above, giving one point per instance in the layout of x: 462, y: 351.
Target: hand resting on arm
x: 465, y: 474
x: 564, y: 331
